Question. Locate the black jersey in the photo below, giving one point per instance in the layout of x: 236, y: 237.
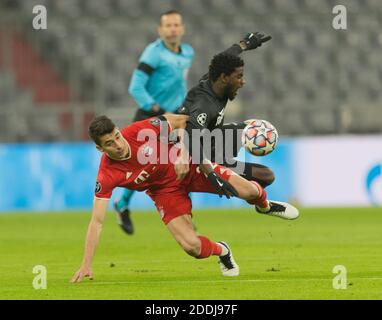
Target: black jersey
x: 205, y: 108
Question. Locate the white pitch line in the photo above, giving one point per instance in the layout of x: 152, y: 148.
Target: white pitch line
x: 228, y: 280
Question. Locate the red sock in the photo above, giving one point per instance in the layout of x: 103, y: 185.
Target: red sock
x: 261, y: 200
x: 208, y: 248
x: 217, y: 249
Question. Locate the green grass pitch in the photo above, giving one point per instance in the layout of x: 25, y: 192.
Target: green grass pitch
x: 278, y: 259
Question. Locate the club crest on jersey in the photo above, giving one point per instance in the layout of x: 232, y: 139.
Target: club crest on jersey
x: 98, y: 187
x: 155, y: 122
x: 202, y: 118
x: 147, y: 151
x: 220, y: 117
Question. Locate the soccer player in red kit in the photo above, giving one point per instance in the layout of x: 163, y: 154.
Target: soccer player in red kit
x: 139, y: 158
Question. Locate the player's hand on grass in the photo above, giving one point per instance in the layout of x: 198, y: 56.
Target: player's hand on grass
x: 224, y: 188
x: 254, y: 40
x: 84, y: 272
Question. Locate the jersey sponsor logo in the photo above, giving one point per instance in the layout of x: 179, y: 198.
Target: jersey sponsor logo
x: 98, y: 187
x: 220, y: 117
x: 202, y: 118
x: 142, y: 177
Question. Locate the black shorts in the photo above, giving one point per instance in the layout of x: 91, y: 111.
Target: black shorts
x: 231, y: 143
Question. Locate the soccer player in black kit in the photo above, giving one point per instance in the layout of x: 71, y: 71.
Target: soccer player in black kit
x: 206, y: 102
x: 205, y: 105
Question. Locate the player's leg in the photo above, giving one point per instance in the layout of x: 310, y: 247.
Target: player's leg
x: 252, y: 172
x: 175, y: 210
x: 123, y: 211
x: 259, y: 173
x: 255, y: 194
x: 250, y: 191
x: 200, y: 247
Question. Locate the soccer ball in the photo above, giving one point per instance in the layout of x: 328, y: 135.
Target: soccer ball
x: 259, y: 137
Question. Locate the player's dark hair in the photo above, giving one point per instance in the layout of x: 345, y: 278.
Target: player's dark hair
x: 100, y: 126
x: 168, y: 12
x: 223, y: 63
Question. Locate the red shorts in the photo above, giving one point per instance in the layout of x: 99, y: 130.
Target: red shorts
x: 175, y: 202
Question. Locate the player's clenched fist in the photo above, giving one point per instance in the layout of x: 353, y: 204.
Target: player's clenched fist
x: 84, y: 272
x: 253, y: 40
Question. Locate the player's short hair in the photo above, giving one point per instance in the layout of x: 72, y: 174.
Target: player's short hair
x: 167, y: 13
x: 100, y: 126
x: 223, y: 63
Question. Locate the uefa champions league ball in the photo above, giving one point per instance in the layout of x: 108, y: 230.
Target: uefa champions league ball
x: 259, y: 137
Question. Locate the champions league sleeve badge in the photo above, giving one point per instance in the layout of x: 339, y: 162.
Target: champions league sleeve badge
x: 98, y: 187
x: 202, y: 118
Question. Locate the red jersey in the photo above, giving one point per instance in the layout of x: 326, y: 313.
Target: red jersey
x: 150, y: 165
x: 156, y: 175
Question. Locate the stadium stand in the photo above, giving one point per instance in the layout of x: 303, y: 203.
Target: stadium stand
x: 310, y: 79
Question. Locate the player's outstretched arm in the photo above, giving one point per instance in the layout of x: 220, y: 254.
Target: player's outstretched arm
x: 251, y: 41
x: 92, y: 238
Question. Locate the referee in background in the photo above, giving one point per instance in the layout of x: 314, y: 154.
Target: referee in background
x: 158, y: 85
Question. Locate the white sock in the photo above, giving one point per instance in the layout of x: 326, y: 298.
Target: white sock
x: 224, y: 250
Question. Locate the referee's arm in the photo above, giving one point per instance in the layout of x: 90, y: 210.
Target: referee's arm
x: 137, y: 88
